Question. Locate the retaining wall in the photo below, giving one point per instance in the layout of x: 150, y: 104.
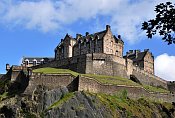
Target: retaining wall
x: 52, y: 81
x: 149, y: 79
x: 91, y: 85
x: 106, y: 64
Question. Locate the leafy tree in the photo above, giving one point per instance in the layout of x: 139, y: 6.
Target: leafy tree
x: 164, y: 23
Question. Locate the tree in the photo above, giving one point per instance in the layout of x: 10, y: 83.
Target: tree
x: 164, y: 23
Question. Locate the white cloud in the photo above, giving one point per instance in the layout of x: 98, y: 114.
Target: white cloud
x: 46, y: 15
x: 164, y: 67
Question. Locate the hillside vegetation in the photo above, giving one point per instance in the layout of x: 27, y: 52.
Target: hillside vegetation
x: 61, y: 103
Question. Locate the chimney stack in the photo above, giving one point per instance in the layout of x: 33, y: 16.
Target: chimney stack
x: 130, y: 51
x: 7, y: 67
x: 119, y: 36
x: 108, y: 27
x: 146, y: 50
x: 137, y: 52
x: 87, y: 33
x: 78, y: 36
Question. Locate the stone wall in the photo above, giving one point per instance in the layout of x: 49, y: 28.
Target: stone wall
x: 52, y: 81
x: 149, y: 79
x: 91, y: 85
x: 77, y: 63
x: 99, y: 63
x: 106, y: 64
x: 171, y: 86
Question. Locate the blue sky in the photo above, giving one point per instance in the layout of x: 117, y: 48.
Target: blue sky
x: 35, y: 27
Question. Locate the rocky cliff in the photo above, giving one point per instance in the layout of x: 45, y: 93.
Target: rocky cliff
x: 60, y: 103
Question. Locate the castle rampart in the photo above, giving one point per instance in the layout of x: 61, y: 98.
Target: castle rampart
x: 52, y: 81
x: 91, y: 85
x: 83, y: 83
x: 149, y: 79
x: 106, y: 64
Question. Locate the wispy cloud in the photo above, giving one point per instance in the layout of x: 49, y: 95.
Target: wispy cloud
x: 126, y: 16
x: 164, y: 66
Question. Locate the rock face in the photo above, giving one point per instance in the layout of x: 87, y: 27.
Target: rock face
x: 61, y: 103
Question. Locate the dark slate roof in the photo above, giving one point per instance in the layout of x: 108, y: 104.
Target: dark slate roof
x: 89, y: 37
x: 140, y: 56
x: 118, y: 40
x: 38, y: 58
x: 62, y: 40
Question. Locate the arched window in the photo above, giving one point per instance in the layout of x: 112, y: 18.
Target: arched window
x: 42, y: 61
x: 26, y: 63
x: 34, y: 62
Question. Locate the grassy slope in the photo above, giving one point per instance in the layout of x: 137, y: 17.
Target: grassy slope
x: 55, y: 70
x: 139, y: 108
x: 121, y: 103
x: 101, y: 78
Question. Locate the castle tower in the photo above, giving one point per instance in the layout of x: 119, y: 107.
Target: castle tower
x: 112, y: 44
x: 65, y: 48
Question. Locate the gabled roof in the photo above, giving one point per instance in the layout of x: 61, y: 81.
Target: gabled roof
x: 62, y: 40
x: 89, y: 37
x: 118, y: 40
x: 140, y: 56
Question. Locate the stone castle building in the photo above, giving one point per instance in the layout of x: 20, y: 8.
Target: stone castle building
x: 100, y: 42
x: 103, y: 42
x: 34, y: 61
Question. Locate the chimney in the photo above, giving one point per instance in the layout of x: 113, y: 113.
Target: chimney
x: 61, y: 40
x: 137, y: 52
x: 7, y: 67
x: 108, y: 27
x: 78, y: 36
x: 130, y: 51
x: 87, y: 33
x: 119, y: 36
x: 127, y: 53
x: 146, y: 50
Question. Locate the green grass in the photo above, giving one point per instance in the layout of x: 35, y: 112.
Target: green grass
x: 139, y: 108
x: 104, y: 79
x: 114, y: 80
x: 55, y: 71
x: 155, y: 89
x: 62, y: 100
x: 3, y: 96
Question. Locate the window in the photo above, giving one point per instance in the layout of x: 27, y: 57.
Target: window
x: 62, y: 50
x: 111, y: 51
x: 34, y: 63
x: 111, y: 43
x: 42, y: 61
x: 107, y: 49
x: 26, y: 63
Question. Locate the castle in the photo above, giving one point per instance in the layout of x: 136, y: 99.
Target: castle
x: 102, y: 42
x: 100, y: 53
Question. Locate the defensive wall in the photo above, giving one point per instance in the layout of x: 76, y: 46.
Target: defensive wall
x: 52, y: 81
x: 171, y: 86
x: 149, y: 79
x: 106, y: 64
x: 91, y: 85
x: 83, y: 83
